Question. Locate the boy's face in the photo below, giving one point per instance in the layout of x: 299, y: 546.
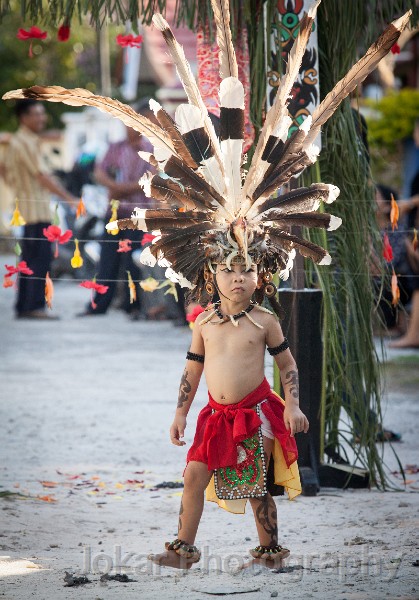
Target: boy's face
x: 236, y: 283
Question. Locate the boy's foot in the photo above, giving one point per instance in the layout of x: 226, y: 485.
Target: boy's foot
x: 269, y: 554
x: 178, y: 555
x: 171, y: 559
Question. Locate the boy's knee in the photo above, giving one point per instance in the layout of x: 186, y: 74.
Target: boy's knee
x: 196, y: 477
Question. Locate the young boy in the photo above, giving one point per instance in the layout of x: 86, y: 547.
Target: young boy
x: 231, y: 352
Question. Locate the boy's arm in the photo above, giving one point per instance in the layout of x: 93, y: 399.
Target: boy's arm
x: 188, y: 386
x: 295, y: 420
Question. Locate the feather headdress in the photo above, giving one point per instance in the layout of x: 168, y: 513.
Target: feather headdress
x: 208, y: 214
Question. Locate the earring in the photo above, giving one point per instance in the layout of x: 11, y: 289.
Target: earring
x: 270, y: 289
x: 210, y: 288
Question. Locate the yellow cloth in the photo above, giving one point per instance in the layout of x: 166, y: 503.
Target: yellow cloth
x: 288, y: 477
x: 23, y: 162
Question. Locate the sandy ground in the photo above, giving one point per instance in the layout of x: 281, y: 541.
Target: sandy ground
x: 86, y: 407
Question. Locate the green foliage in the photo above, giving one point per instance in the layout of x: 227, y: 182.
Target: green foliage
x: 397, y: 113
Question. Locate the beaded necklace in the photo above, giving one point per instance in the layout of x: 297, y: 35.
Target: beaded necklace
x: 214, y: 309
x: 225, y: 318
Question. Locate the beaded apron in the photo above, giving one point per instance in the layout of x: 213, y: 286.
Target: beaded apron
x: 247, y: 479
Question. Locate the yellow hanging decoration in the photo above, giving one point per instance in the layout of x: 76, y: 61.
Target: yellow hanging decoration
x: 132, y: 289
x: 114, y: 215
x: 77, y: 260
x: 17, y: 219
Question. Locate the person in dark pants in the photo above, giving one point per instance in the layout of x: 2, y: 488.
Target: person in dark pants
x: 120, y: 171
x: 27, y: 173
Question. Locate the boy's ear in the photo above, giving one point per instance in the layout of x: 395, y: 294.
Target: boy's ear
x: 260, y: 282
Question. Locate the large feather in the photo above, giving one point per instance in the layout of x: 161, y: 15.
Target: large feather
x: 188, y: 80
x: 176, y: 169
x: 356, y: 75
x: 191, y: 124
x: 304, y: 219
x: 305, y: 248
x: 232, y: 137
x: 299, y: 200
x: 279, y: 109
x: 170, y: 127
x: 227, y: 55
x: 81, y: 97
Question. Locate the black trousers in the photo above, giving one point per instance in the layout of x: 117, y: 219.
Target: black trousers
x: 114, y: 265
x: 38, y: 256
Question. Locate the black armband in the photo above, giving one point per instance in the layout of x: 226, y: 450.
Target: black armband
x: 280, y: 348
x: 192, y: 356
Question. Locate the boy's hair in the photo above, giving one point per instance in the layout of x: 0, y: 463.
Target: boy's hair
x: 23, y: 107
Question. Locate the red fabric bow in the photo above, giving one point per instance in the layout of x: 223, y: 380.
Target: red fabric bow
x: 130, y: 41
x: 395, y: 49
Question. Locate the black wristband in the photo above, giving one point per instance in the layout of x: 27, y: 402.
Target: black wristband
x: 280, y: 348
x: 192, y: 356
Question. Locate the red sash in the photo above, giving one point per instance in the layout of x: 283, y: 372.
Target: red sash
x: 217, y: 434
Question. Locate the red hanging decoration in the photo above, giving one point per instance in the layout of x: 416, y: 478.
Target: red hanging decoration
x: 63, y: 33
x: 129, y: 41
x: 34, y: 33
x: 387, y: 249
x: 53, y: 234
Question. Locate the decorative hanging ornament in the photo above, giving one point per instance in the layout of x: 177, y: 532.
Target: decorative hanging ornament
x: 34, y: 33
x: 17, y: 219
x: 394, y: 214
x: 124, y: 246
x: 49, y: 290
x: 114, y: 217
x: 132, y: 289
x: 81, y: 209
x: 129, y: 40
x: 77, y: 260
x: 395, y: 290
x: 94, y: 287
x: 63, y: 33
x: 53, y: 233
x: 387, y: 249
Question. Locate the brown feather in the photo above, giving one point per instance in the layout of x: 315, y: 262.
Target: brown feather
x: 305, y: 248
x: 227, y: 55
x: 302, y: 199
x: 305, y: 219
x: 81, y: 97
x: 356, y: 75
x: 171, y: 129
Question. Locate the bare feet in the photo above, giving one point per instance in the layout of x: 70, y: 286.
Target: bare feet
x: 170, y: 558
x: 275, y: 563
x: 405, y: 342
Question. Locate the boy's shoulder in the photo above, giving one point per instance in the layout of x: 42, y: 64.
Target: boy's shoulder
x: 263, y: 313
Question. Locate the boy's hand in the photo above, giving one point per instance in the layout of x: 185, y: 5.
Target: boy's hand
x: 295, y: 420
x: 177, y: 430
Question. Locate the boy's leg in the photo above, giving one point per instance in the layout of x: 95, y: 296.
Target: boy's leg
x: 264, y: 510
x: 196, y: 479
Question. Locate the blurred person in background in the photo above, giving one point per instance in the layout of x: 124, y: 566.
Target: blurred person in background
x: 27, y: 173
x: 120, y: 171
